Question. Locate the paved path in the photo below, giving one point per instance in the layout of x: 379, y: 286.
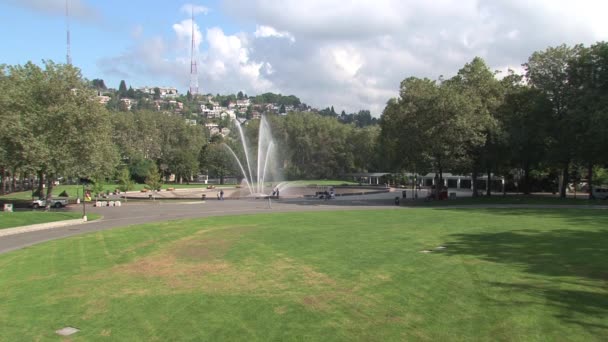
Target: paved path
x: 144, y: 212
x: 138, y: 213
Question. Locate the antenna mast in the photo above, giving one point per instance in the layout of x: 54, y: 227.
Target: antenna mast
x: 193, y: 67
x: 67, y: 23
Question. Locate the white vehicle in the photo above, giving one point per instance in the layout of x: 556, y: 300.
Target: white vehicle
x: 55, y: 203
x: 600, y: 192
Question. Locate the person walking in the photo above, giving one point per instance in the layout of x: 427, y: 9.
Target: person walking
x: 222, y: 195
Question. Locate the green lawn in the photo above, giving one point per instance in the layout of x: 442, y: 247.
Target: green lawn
x: 508, y: 199
x: 506, y: 275
x: 24, y: 218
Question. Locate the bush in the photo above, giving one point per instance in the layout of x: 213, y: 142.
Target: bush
x: 64, y: 194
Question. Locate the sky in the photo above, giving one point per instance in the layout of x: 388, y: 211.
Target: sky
x: 348, y: 54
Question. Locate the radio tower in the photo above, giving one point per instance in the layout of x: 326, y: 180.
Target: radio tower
x: 193, y: 68
x: 67, y: 24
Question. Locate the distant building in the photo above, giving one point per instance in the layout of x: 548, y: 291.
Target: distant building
x: 165, y: 92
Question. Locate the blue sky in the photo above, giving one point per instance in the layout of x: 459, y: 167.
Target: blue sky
x: 351, y: 55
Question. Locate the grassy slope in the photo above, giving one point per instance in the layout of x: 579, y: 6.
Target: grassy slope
x: 24, y: 218
x: 506, y: 275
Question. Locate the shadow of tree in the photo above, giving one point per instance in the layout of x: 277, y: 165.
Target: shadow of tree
x: 570, y: 304
x: 554, y: 253
x: 569, y: 266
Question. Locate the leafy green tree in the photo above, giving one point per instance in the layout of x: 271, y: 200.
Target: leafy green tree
x: 547, y: 71
x: 476, y: 82
x: 57, y: 123
x: 588, y: 81
x: 122, y: 89
x: 98, y: 84
x: 154, y: 180
x: 124, y: 180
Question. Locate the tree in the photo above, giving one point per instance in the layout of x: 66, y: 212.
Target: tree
x: 98, y: 84
x: 154, y: 180
x: 217, y: 160
x: 122, y: 89
x: 240, y: 95
x: 58, y: 118
x: 476, y: 82
x: 525, y: 115
x: 282, y: 109
x: 124, y: 180
x: 588, y: 82
x: 547, y: 71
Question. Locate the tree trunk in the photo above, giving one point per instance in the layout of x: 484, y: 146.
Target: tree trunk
x: 49, y: 192
x: 489, y: 182
x: 590, y: 181
x: 564, y: 187
x: 526, y: 179
x: 22, y: 181
x: 474, y: 182
x: 14, y: 181
x: 3, y: 180
x: 40, y: 184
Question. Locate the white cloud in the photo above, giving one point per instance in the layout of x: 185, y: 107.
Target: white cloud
x: 183, y: 32
x: 194, y: 9
x: 353, y: 55
x: 263, y: 31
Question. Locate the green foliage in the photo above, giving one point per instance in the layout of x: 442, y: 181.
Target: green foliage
x: 64, y: 194
x: 153, y: 180
x: 124, y: 180
x: 97, y: 186
x: 122, y: 88
x: 140, y: 169
x: 56, y: 126
x: 600, y: 176
x: 279, y: 99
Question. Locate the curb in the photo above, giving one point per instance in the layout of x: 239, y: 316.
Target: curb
x: 40, y: 226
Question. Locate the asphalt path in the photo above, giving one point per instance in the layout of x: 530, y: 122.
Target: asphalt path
x: 144, y: 212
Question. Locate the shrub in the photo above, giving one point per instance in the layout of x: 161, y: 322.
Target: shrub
x: 64, y: 194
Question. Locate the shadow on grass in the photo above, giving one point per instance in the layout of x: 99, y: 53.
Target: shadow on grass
x: 570, y: 305
x: 573, y: 263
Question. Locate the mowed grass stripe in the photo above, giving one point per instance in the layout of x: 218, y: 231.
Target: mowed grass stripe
x: 505, y: 275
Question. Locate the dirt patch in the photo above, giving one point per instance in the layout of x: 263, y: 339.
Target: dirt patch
x: 209, y: 247
x: 106, y: 332
x: 321, y: 302
x: 95, y: 307
x: 140, y: 245
x: 167, y: 266
x: 280, y: 310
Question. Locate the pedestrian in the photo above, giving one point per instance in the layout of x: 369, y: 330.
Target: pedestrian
x: 277, y: 193
x: 222, y: 195
x: 218, y: 195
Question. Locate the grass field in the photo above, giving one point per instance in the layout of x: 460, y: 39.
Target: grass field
x: 506, y: 275
x: 24, y: 218
x: 509, y: 199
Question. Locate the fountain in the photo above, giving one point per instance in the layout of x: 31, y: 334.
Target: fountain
x: 255, y: 178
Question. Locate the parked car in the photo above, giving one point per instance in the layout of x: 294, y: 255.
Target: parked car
x: 600, y: 193
x: 55, y: 203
